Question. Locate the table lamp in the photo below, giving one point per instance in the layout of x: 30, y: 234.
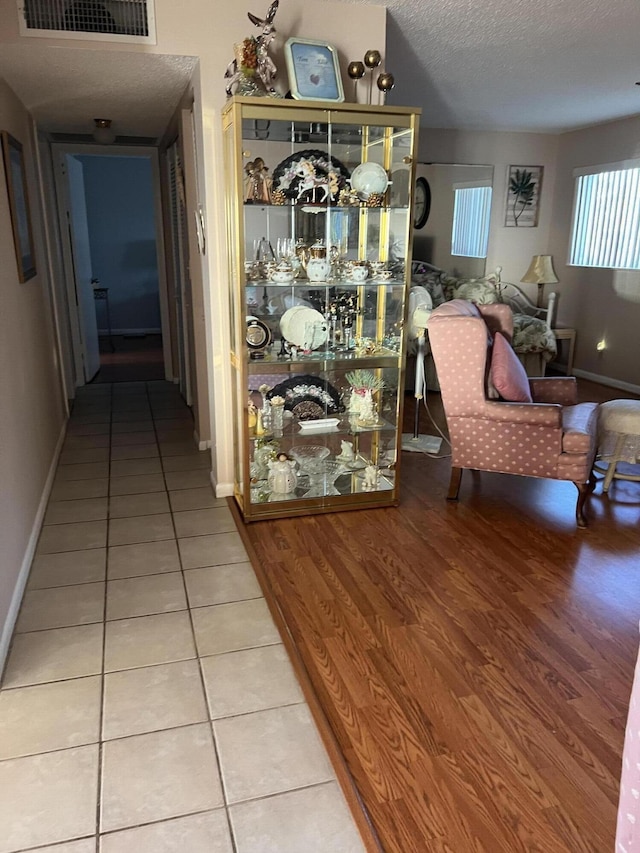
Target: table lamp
x: 540, y: 272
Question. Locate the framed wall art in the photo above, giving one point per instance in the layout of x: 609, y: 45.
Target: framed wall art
x: 314, y: 71
x: 523, y: 196
x: 14, y: 171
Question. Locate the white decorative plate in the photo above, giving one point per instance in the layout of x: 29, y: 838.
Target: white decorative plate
x: 369, y: 178
x: 304, y: 327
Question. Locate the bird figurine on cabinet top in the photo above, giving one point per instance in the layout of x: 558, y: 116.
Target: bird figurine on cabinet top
x: 252, y: 59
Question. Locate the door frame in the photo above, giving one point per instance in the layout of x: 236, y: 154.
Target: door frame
x: 59, y: 151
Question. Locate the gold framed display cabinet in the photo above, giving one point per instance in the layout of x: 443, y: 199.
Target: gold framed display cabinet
x: 319, y: 213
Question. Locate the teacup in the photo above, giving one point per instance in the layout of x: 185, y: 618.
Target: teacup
x: 357, y: 270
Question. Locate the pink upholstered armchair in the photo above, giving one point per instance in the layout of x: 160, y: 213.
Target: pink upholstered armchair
x: 547, y: 435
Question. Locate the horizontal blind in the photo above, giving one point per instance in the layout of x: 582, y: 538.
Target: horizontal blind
x: 606, y: 222
x: 471, y: 215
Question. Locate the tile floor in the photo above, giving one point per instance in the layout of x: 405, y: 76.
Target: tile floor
x: 147, y: 702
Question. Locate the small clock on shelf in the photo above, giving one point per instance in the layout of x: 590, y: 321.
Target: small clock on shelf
x: 422, y: 205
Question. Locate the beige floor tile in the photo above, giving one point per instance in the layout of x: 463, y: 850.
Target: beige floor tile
x: 221, y: 584
x: 85, y: 845
x: 88, y: 429
x: 152, y: 698
x: 169, y: 433
x: 64, y: 512
x: 180, y: 423
x: 143, y: 596
x: 201, y: 498
x: 126, y: 506
x: 193, y: 462
x: 53, y: 655
x: 313, y: 820
x: 132, y: 426
x: 68, y: 568
x: 141, y: 528
x: 156, y: 776
x: 270, y: 752
x: 69, y: 490
x: 84, y: 471
x: 135, y: 451
x: 77, y: 457
x: 61, y: 607
x: 215, y: 550
x: 149, y: 558
x: 49, y: 716
x: 198, y: 833
x: 48, y: 798
x: 78, y: 536
x: 181, y: 448
x: 188, y: 479
x: 85, y: 442
x: 230, y: 627
x: 132, y: 467
x: 129, y: 439
x: 168, y: 413
x: 84, y: 418
x: 197, y: 522
x: 131, y: 416
x: 250, y: 680
x: 137, y: 485
x: 148, y: 640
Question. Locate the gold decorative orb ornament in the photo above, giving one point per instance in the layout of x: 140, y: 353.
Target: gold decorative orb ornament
x: 385, y: 83
x: 356, y: 70
x: 372, y: 59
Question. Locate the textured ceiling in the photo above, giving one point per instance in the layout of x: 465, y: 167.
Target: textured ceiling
x: 545, y: 66
x: 66, y: 88
x: 548, y: 65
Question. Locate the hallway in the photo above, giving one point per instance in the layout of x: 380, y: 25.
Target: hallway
x: 148, y: 703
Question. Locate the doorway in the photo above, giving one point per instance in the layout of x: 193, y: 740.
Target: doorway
x: 109, y: 202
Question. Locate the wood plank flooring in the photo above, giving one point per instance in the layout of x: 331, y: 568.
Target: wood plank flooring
x: 474, y: 660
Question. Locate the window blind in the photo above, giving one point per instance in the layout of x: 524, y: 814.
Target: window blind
x: 471, y: 215
x: 606, y: 218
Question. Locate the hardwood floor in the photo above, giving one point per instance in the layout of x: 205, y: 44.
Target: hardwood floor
x: 473, y: 660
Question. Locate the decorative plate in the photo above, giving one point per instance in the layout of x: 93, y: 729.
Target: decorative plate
x: 311, y: 176
x: 304, y: 327
x: 368, y: 178
x: 308, y: 397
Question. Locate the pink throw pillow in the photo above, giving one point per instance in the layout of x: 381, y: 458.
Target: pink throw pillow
x: 507, y: 373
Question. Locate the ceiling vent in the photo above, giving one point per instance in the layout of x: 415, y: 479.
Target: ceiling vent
x: 131, y: 21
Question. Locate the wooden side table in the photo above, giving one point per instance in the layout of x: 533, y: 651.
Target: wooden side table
x: 567, y: 335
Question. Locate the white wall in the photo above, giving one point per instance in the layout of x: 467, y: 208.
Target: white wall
x: 599, y: 303
x: 32, y: 413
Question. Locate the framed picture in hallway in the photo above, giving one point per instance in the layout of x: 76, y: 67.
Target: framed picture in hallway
x: 14, y: 171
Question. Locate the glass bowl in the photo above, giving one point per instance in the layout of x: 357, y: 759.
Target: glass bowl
x: 304, y: 454
x: 323, y: 474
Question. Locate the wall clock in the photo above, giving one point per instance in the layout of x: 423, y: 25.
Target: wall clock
x: 422, y: 203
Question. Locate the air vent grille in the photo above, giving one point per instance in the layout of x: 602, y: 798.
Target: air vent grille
x: 106, y: 19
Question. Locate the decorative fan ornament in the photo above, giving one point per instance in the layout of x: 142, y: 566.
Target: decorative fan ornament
x: 310, y: 177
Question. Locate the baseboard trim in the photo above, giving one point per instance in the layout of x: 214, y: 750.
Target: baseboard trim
x: 221, y: 490
x: 200, y: 443
x: 130, y: 331
x: 606, y: 380
x: 18, y: 592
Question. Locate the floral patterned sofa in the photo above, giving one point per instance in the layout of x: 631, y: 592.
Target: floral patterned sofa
x: 533, y: 338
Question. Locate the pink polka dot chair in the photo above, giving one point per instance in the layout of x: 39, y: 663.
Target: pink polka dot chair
x: 550, y: 437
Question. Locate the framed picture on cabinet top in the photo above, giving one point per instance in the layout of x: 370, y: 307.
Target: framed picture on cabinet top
x: 15, y: 175
x: 314, y: 71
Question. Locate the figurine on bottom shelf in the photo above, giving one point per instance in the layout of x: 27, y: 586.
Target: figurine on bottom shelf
x: 282, y: 477
x: 371, y: 475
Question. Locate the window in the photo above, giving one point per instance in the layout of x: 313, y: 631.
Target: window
x: 471, y: 215
x: 606, y: 217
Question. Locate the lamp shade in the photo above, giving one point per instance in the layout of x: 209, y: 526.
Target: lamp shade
x: 103, y: 133
x: 540, y: 271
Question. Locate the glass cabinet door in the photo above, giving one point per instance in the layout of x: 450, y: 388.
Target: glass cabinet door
x: 319, y: 227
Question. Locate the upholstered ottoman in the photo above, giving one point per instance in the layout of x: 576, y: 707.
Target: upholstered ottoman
x: 618, y: 439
